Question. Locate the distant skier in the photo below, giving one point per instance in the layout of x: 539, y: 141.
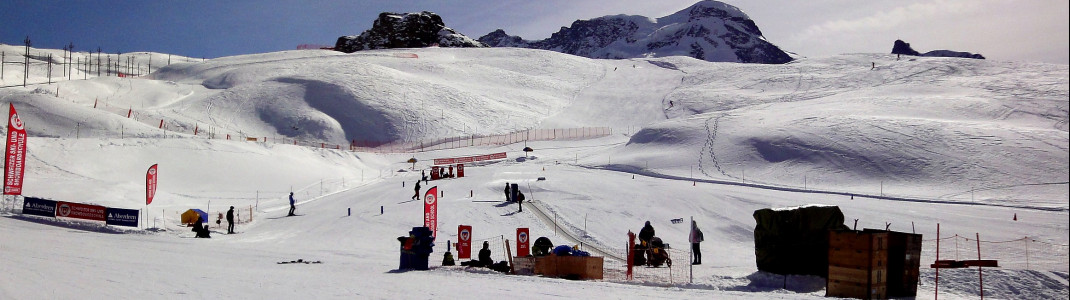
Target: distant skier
x: 507, y: 192
x: 417, y: 195
x: 230, y: 220
x: 292, y: 206
x: 695, y: 239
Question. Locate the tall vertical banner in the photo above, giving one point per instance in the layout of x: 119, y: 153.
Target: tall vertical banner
x: 431, y: 210
x: 150, y: 184
x: 464, y: 242
x: 522, y: 249
x: 15, y: 155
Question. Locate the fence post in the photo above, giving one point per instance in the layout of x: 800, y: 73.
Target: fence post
x: 980, y: 275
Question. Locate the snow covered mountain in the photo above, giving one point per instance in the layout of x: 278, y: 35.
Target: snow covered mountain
x: 408, y: 30
x: 708, y: 30
x: 974, y: 146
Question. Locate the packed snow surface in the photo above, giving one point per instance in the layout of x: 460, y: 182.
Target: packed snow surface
x: 979, y: 147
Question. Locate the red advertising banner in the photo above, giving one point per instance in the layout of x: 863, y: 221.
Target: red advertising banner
x: 15, y: 154
x: 431, y: 210
x: 468, y: 159
x: 150, y: 184
x: 464, y: 241
x: 522, y: 249
x: 80, y: 211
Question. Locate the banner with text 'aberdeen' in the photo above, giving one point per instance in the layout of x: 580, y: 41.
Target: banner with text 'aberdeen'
x: 15, y: 153
x: 122, y: 217
x: 39, y: 207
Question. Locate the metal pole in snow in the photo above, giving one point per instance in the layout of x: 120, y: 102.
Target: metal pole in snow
x: 980, y: 275
x: 936, y: 290
x: 691, y: 253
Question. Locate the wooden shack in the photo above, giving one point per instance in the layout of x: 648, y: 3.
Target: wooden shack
x: 904, y: 261
x: 570, y: 267
x: 858, y: 265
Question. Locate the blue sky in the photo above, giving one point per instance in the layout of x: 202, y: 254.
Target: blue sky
x: 1005, y: 30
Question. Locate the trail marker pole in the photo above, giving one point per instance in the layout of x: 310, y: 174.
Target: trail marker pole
x: 980, y: 275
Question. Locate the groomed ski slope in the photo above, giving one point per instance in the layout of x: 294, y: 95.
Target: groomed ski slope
x: 967, y: 144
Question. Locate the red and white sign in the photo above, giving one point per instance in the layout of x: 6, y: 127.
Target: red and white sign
x: 80, y: 211
x: 464, y: 241
x: 15, y: 155
x: 150, y: 184
x: 468, y: 159
x: 431, y: 210
x: 522, y: 240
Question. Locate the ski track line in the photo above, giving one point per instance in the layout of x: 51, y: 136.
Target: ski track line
x: 826, y: 192
x: 313, y: 199
x: 541, y: 214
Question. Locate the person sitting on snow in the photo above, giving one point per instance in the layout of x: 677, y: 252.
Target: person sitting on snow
x: 484, y: 255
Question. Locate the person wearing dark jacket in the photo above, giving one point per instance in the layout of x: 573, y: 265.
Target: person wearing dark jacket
x: 484, y: 255
x: 646, y: 234
x: 695, y: 238
x: 230, y: 220
x: 201, y: 230
x: 507, y: 192
x: 417, y: 195
x: 292, y: 206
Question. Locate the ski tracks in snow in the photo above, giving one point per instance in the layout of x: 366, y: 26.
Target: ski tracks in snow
x: 707, y: 152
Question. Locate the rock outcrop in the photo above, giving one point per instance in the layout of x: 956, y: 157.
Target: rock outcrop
x: 410, y: 30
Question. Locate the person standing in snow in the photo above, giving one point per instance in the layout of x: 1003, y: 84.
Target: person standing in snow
x: 695, y: 239
x: 230, y: 220
x: 520, y: 200
x: 417, y: 194
x: 507, y: 192
x: 646, y: 234
x: 292, y: 206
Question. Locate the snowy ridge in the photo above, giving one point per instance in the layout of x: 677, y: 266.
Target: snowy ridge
x: 986, y: 141
x: 708, y: 30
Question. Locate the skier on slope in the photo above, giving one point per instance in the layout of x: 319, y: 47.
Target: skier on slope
x: 230, y: 220
x: 292, y: 206
x: 417, y: 194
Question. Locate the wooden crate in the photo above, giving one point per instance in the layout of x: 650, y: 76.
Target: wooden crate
x: 524, y: 265
x: 572, y: 267
x: 858, y: 265
x: 904, y: 260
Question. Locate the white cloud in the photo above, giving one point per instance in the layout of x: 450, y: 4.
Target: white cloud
x: 895, y: 18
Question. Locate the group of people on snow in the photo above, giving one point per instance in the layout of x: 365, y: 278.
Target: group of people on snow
x: 650, y: 250
x: 202, y: 231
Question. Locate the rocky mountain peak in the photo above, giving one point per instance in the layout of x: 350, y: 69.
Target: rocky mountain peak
x: 708, y: 30
x: 408, y: 30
